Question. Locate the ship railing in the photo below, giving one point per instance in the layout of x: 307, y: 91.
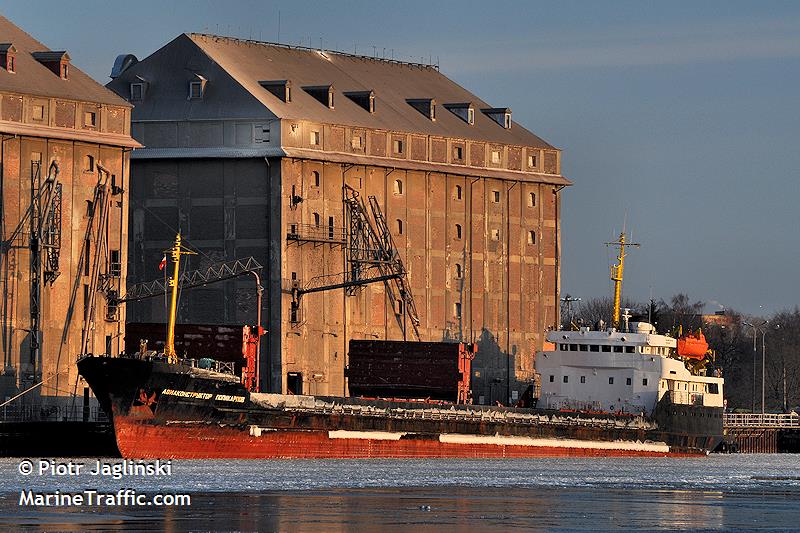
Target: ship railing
x: 477, y: 415
x: 759, y: 420
x: 52, y: 413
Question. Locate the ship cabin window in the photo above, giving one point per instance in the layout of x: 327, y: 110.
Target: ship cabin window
x: 644, y: 382
x: 611, y: 380
x: 713, y: 388
x: 583, y: 379
x: 552, y: 378
x: 563, y: 347
x: 573, y: 347
x: 605, y: 348
x: 584, y: 347
x: 672, y: 372
x: 628, y: 381
x: 566, y: 379
x: 617, y: 349
x: 594, y: 348
x: 630, y: 349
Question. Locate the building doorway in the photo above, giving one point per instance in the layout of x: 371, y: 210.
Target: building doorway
x: 294, y: 383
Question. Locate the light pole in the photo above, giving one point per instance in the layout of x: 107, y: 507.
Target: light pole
x: 763, y: 330
x: 755, y: 329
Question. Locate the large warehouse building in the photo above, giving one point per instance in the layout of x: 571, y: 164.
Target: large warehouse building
x: 282, y: 153
x: 64, y: 147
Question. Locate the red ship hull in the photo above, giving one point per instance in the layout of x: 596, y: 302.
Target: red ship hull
x: 138, y: 439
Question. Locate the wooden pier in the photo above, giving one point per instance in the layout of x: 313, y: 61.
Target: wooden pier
x: 762, y: 433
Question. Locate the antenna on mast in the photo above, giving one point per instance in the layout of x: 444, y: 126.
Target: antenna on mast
x: 617, y: 271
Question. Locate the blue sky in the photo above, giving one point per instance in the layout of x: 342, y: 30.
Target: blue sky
x: 682, y: 118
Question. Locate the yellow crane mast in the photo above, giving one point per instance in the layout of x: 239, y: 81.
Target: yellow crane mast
x: 616, y: 275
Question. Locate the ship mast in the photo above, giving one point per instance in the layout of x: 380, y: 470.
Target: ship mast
x: 616, y: 275
x: 175, y: 253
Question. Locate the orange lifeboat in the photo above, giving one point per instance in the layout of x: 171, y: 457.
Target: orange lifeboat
x: 693, y: 345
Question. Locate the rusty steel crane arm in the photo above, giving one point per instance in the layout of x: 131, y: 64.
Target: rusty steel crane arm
x: 195, y: 278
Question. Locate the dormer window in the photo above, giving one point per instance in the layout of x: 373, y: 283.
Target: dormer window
x: 464, y: 111
x: 322, y: 93
x: 8, y: 57
x: 501, y: 115
x: 365, y: 99
x: 56, y: 61
x: 197, y: 87
x: 426, y: 106
x: 281, y: 89
x: 137, y: 91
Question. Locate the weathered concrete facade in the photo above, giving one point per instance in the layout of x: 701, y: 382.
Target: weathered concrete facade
x: 59, y: 119
x: 472, y: 203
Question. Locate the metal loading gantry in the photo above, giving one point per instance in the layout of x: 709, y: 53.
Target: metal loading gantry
x: 370, y: 257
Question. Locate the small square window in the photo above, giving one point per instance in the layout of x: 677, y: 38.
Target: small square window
x: 583, y: 347
x: 495, y: 234
x: 583, y: 379
x: 630, y: 349
x: 496, y: 157
x: 37, y: 113
x: 195, y: 89
x: 355, y: 142
x: 627, y: 381
x: 611, y: 380
x: 644, y: 382
x: 496, y: 196
x: 314, y: 138
x: 617, y: 349
x: 605, y: 348
x: 552, y: 378
x: 573, y: 347
x: 398, y: 146
x: 594, y: 348
x: 458, y: 153
x: 137, y: 91
x: 90, y: 119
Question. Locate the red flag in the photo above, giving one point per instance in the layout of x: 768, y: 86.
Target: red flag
x: 163, y: 262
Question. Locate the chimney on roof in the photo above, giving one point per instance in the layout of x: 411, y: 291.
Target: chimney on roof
x: 501, y: 115
x: 465, y: 111
x: 57, y: 61
x: 365, y: 99
x: 282, y: 89
x: 426, y: 106
x: 322, y: 93
x: 8, y: 57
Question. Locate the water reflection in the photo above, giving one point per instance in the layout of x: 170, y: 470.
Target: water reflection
x: 429, y: 509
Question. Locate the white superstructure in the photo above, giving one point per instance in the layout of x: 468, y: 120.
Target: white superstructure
x: 619, y: 371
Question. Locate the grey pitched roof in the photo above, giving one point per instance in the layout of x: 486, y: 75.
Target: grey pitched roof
x: 394, y: 84
x: 31, y: 77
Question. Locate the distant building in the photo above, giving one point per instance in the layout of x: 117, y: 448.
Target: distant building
x: 65, y: 144
x: 248, y: 149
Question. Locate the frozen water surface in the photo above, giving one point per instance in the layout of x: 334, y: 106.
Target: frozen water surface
x: 719, y: 492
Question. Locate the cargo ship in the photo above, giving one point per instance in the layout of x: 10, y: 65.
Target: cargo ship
x: 617, y: 391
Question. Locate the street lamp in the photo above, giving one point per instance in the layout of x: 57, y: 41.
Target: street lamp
x: 763, y: 329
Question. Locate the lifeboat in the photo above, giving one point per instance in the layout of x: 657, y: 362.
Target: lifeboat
x: 693, y: 346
